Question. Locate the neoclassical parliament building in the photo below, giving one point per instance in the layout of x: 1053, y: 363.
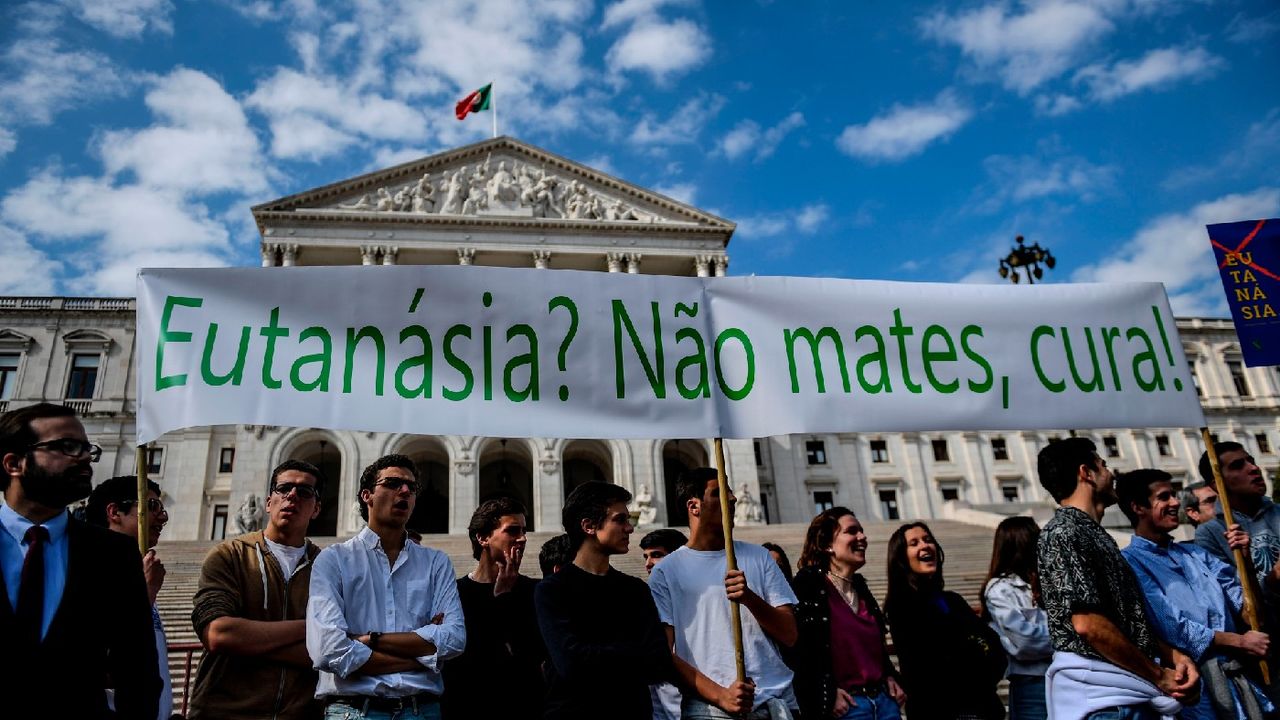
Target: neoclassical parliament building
x: 505, y: 203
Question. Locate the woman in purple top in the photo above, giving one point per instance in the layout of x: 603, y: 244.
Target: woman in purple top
x: 842, y: 663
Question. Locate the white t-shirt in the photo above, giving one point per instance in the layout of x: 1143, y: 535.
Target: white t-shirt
x: 287, y: 556
x: 666, y: 700
x: 688, y: 588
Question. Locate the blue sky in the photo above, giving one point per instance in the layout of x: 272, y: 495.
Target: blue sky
x: 861, y: 139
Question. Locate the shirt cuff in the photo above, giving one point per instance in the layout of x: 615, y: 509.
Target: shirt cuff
x: 353, y: 659
x: 429, y: 633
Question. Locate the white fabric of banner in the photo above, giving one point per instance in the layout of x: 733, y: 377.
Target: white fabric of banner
x: 507, y: 352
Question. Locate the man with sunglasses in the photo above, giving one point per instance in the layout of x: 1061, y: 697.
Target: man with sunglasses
x: 113, y: 505
x: 75, y: 608
x: 384, y: 612
x: 250, y: 609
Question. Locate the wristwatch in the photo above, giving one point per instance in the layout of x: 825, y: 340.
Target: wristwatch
x: 374, y: 637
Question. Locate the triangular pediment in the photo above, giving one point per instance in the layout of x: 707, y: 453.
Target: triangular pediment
x: 499, y: 181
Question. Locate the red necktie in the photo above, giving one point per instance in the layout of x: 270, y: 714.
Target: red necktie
x: 30, y: 609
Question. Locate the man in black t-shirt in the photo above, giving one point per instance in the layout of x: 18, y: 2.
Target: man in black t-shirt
x: 503, y: 642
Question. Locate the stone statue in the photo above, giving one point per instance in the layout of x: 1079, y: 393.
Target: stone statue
x: 424, y: 195
x: 503, y: 190
x: 748, y: 511
x: 385, y: 201
x: 250, y: 516
x: 644, y: 504
x: 456, y: 194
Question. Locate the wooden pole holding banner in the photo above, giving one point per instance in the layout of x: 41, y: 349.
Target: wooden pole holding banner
x: 1243, y: 567
x: 731, y: 560
x: 144, y: 517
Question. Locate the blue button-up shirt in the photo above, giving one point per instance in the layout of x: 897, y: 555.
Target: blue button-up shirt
x: 13, y: 551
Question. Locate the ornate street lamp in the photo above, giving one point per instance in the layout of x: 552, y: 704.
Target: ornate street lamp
x: 1029, y: 258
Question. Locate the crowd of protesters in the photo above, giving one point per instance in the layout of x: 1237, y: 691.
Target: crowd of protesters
x: 382, y: 627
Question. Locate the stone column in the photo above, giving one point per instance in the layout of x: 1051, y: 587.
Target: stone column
x: 722, y: 265
x: 542, y: 259
x: 466, y: 256
x: 368, y: 254
x: 633, y: 263
x: 389, y: 255
x: 290, y: 255
x: 268, y: 254
x: 702, y: 265
x: 614, y: 260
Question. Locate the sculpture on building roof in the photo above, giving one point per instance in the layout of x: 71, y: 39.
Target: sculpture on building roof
x: 250, y: 516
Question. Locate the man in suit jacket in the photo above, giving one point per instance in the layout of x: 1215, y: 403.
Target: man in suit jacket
x: 74, y: 615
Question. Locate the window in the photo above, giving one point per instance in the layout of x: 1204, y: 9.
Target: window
x: 756, y: 445
x: 84, y: 376
x: 1236, y: 368
x: 219, y: 529
x: 1264, y: 443
x: 879, y: 451
x: 8, y: 374
x: 1162, y: 446
x: 823, y: 500
x: 155, y: 460
x: 1195, y: 378
x: 764, y: 505
x: 1010, y: 493
x: 889, y: 504
x: 1111, y: 445
x: 999, y: 450
x: 816, y: 451
x: 950, y: 491
x: 226, y: 460
x: 940, y: 451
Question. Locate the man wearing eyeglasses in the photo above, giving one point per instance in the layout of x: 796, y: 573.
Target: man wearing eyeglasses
x: 1200, y: 502
x: 75, y: 610
x: 250, y: 610
x: 113, y: 504
x: 384, y: 612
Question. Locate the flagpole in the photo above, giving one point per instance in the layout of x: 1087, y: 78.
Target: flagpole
x: 144, y: 518
x: 731, y: 559
x: 494, y: 107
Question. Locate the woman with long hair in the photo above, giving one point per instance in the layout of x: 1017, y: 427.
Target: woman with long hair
x: 842, y: 663
x: 1011, y: 602
x: 951, y: 660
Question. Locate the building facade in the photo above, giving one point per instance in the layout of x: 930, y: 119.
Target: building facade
x: 505, y: 203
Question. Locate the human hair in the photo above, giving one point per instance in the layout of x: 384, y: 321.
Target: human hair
x: 299, y: 466
x: 1059, y: 464
x: 692, y: 483
x: 16, y: 435
x: 1187, y: 498
x: 1013, y: 552
x: 902, y: 582
x: 486, y: 518
x: 120, y: 490
x: 820, y: 535
x: 590, y: 502
x: 556, y: 552
x: 1135, y: 487
x: 668, y: 539
x: 784, y: 562
x: 1206, y: 467
x: 369, y: 477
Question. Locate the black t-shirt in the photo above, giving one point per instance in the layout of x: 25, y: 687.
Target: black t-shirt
x: 500, y: 672
x: 605, y: 643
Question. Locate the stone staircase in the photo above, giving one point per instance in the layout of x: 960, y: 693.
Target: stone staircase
x: 967, y: 548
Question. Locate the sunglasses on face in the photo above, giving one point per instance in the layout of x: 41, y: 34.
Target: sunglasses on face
x: 394, y: 485
x: 71, y: 447
x: 305, y: 492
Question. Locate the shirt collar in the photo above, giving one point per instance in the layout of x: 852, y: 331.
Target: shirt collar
x: 368, y: 538
x: 17, y: 525
x: 1140, y: 543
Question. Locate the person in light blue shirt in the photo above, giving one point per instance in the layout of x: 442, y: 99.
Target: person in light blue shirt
x: 1192, y: 599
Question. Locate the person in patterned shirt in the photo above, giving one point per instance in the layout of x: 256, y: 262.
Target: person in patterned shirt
x: 1105, y: 652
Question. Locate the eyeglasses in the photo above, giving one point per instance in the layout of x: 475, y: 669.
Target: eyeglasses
x: 71, y: 447
x: 306, y: 492
x: 153, y: 504
x: 394, y: 485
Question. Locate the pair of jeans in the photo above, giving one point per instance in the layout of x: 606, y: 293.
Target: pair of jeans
x: 880, y: 707
x: 1128, y: 712
x: 343, y: 711
x: 1026, y: 698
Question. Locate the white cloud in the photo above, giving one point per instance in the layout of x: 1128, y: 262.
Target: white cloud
x: 684, y: 125
x: 1027, y: 46
x: 1260, y: 147
x: 660, y: 48
x: 630, y: 10
x: 202, y: 143
x: 1174, y: 249
x: 1057, y: 104
x: 42, y: 79
x: 1016, y: 179
x: 811, y: 218
x: 8, y: 141
x: 781, y: 228
x: 684, y: 192
x: 747, y: 137
x: 1157, y: 69
x: 25, y: 270
x: 1247, y: 30
x: 904, y: 130
x: 124, y: 18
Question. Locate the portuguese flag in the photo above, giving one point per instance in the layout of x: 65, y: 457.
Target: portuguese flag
x: 475, y: 102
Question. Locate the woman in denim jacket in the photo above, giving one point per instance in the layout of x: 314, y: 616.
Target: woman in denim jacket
x: 1010, y: 601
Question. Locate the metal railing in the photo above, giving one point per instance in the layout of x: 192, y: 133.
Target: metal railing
x: 188, y: 650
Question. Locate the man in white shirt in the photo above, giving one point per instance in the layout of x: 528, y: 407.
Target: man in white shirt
x: 384, y: 613
x: 686, y: 587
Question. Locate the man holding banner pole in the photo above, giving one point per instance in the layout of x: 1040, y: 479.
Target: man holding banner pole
x: 684, y: 586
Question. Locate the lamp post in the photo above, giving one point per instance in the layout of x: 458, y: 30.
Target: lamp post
x: 1029, y: 258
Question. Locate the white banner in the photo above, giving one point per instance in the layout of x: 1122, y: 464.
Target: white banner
x: 545, y: 353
